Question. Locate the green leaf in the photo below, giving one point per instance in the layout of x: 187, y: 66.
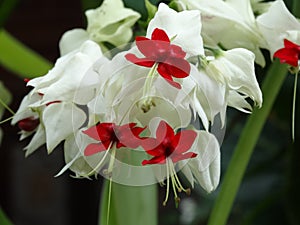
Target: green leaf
x: 19, y: 59
x: 6, y: 7
x: 3, y: 219
x: 151, y: 10
x: 138, y: 6
x: 129, y: 205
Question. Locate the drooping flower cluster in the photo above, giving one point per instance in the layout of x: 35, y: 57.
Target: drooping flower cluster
x: 130, y: 116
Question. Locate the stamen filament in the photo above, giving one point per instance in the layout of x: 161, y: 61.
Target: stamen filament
x: 7, y: 119
x: 6, y: 107
x: 178, y: 182
x: 111, y: 161
x: 101, y: 162
x: 294, y: 105
x: 168, y: 183
x: 147, y: 88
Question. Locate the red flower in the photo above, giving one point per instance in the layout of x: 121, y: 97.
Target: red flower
x: 169, y: 145
x: 290, y: 54
x: 109, y: 134
x: 170, y: 58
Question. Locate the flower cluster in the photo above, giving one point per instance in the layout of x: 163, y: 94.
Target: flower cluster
x: 130, y: 115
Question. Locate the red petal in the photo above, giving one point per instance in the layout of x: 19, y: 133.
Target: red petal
x: 160, y: 35
x: 176, y: 51
x: 158, y: 151
x: 94, y: 148
x: 183, y: 141
x: 128, y: 135
x: 175, y: 157
x: 163, y: 71
x: 164, y: 130
x: 139, y: 61
x: 289, y: 44
x: 155, y: 160
x: 289, y: 56
x: 92, y: 132
x: 178, y: 67
x: 147, y: 47
x: 149, y: 144
x: 120, y: 145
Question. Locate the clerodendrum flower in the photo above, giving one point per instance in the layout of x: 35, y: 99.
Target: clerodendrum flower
x: 111, y: 137
x: 290, y: 54
x: 219, y: 17
x: 159, y: 52
x: 169, y: 148
x: 109, y: 134
x: 278, y: 24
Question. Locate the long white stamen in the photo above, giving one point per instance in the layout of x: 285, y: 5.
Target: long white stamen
x: 7, y: 107
x: 168, y: 183
x: 101, y: 162
x: 147, y: 103
x: 294, y: 105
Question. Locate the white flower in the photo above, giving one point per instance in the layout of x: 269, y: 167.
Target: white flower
x: 204, y: 95
x: 183, y: 28
x: 229, y: 23
x: 205, y: 169
x: 76, y: 161
x: 111, y: 22
x: 50, y: 110
x: 71, y: 78
x: 235, y: 69
x: 278, y: 24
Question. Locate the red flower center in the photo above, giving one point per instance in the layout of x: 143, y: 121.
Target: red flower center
x: 109, y: 133
x: 159, y: 50
x: 167, y: 144
x: 289, y: 54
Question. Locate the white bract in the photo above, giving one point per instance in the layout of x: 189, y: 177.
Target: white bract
x: 235, y: 69
x: 111, y: 23
x: 55, y: 96
x: 278, y: 24
x: 229, y: 23
x: 175, y: 25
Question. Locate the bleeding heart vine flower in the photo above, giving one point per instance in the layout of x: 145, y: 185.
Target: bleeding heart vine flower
x: 109, y: 134
x: 278, y: 24
x: 290, y: 54
x: 159, y: 53
x: 223, y: 19
x: 111, y: 137
x: 168, y: 148
x: 110, y: 23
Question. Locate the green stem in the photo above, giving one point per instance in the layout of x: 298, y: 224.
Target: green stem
x: 3, y: 218
x: 6, y: 8
x: 128, y: 204
x: 19, y: 59
x: 247, y: 141
x: 296, y: 8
